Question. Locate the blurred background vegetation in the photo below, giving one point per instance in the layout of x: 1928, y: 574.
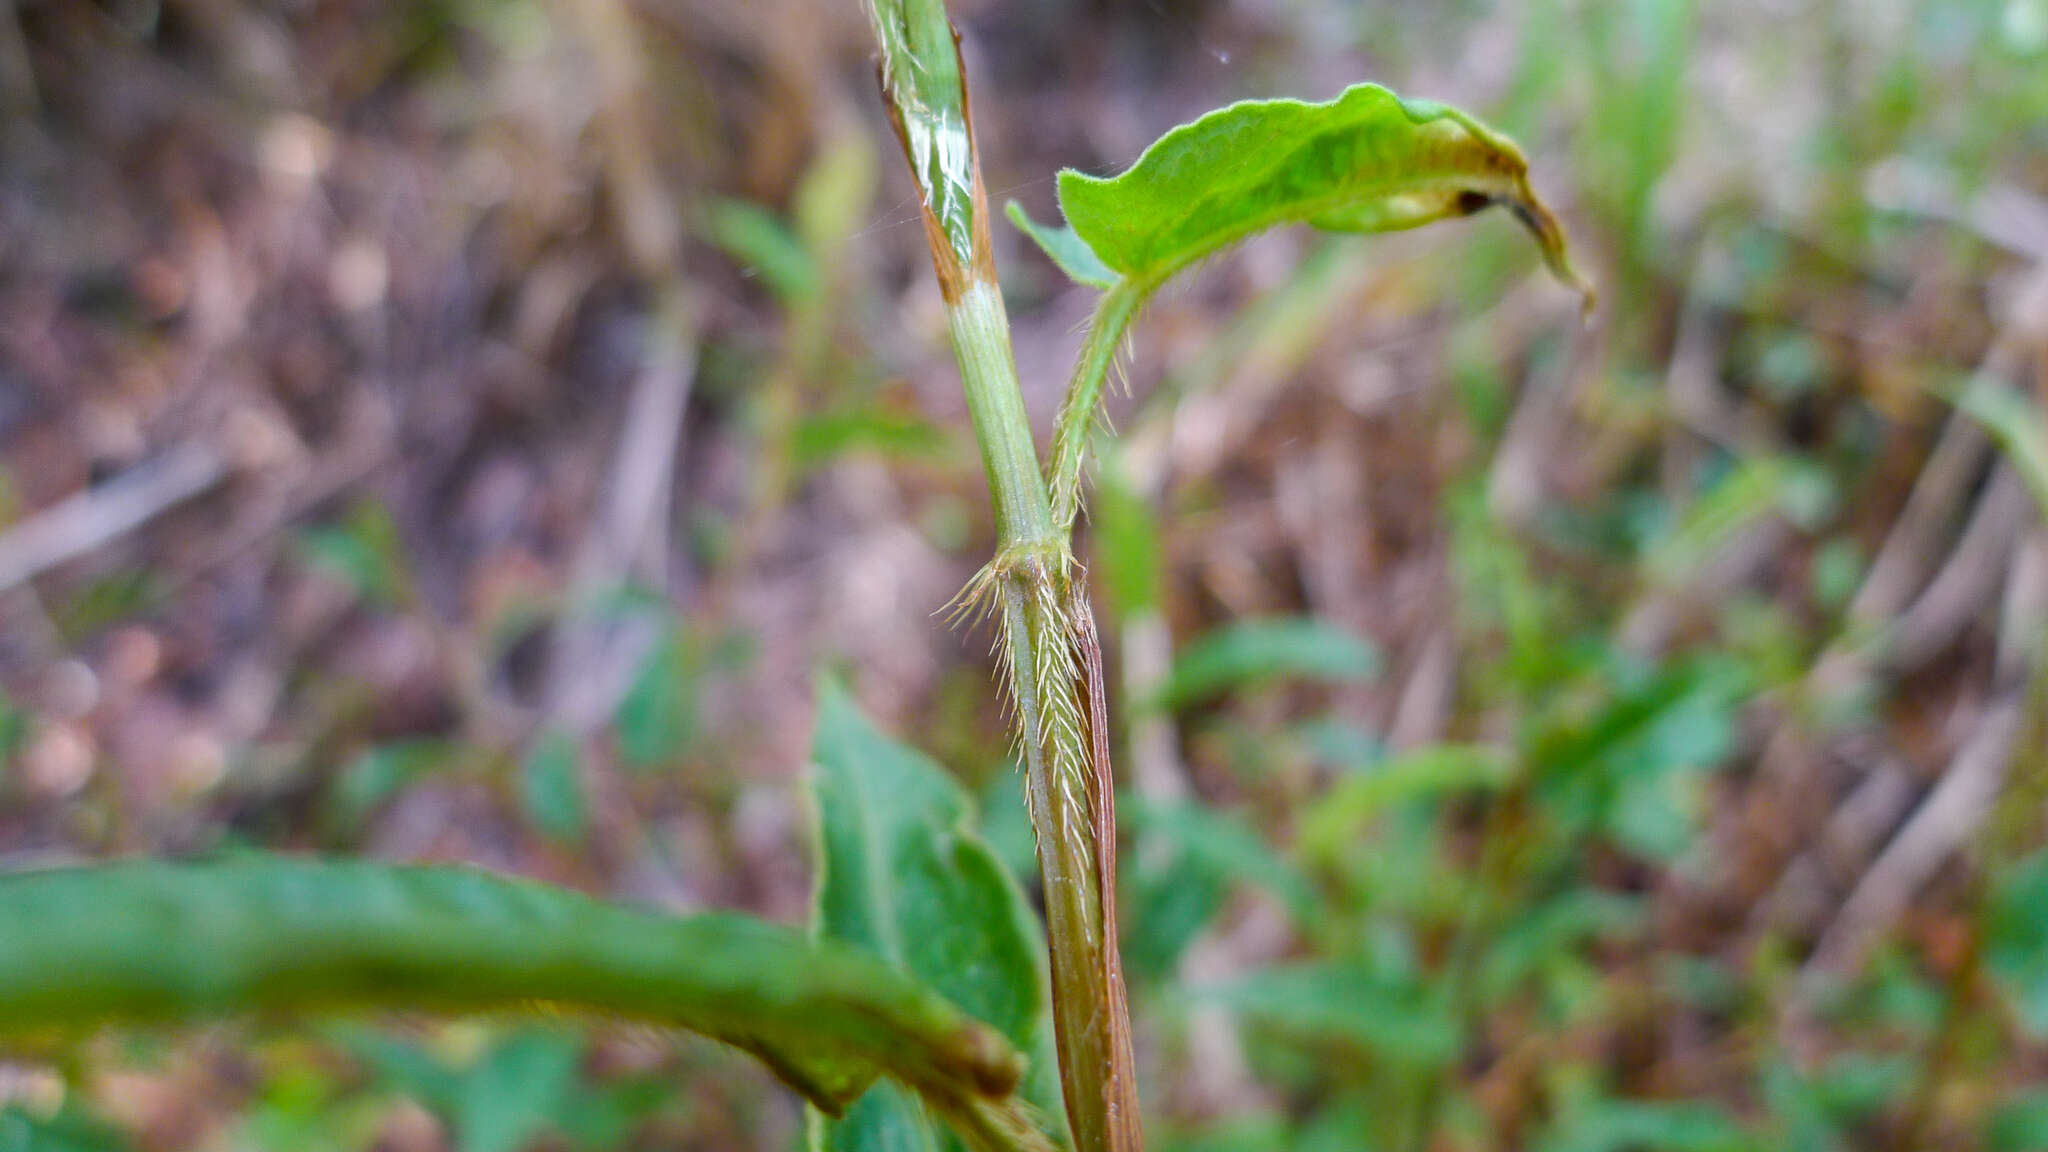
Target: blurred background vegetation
x: 464, y: 429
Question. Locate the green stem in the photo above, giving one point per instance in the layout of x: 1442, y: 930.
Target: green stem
x: 1048, y: 627
x: 995, y: 403
x: 1040, y: 610
x: 1113, y: 316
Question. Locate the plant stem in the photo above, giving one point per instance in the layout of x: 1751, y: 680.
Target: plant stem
x: 1113, y: 316
x: 1051, y: 659
x: 1053, y: 669
x: 980, y: 330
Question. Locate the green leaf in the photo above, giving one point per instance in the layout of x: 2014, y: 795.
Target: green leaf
x: 516, y: 1090
x: 1367, y: 161
x: 658, y: 718
x: 824, y: 437
x: 2016, y: 938
x: 1609, y: 1125
x: 550, y: 789
x: 71, y: 1129
x: 902, y: 874
x: 1167, y: 899
x: 1635, y: 769
x: 1176, y: 886
x: 107, y: 600
x: 2018, y: 426
x: 1256, y: 651
x: 833, y: 197
x: 14, y: 730
x: 1359, y: 796
x: 763, y: 246
x: 1065, y: 246
x: 2019, y: 1126
x: 522, y: 1085
x: 1539, y: 935
x: 1128, y: 552
x: 377, y: 776
x: 365, y: 552
x: 1348, y: 1002
x: 1219, y: 842
x: 1760, y: 487
x: 154, y: 943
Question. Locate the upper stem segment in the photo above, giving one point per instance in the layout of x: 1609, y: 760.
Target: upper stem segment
x: 980, y: 329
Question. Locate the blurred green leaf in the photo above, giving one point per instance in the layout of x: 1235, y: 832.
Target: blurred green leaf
x: 68, y: 1130
x: 1631, y: 769
x: 1401, y: 1020
x: 1791, y: 363
x: 902, y: 874
x: 404, y: 1067
x: 377, y: 776
x: 1127, y: 543
x: 821, y: 438
x: 1756, y: 489
x: 515, y: 1091
x: 1838, y: 568
x: 603, y: 1115
x: 306, y: 1108
x: 1176, y: 880
x: 521, y: 1086
x: 2019, y: 1125
x: 2018, y: 426
x: 1609, y: 1125
x: 14, y: 727
x: 1827, y: 1109
x: 1006, y: 824
x: 1360, y: 795
x: 1345, y: 747
x: 1498, y: 591
x: 657, y: 720
x: 108, y: 600
x: 2016, y: 939
x: 1219, y: 842
x: 1540, y: 936
x: 364, y: 551
x: 551, y: 790
x: 762, y: 246
x: 1255, y: 651
x: 1167, y: 900
x: 1640, y: 59
x: 833, y: 197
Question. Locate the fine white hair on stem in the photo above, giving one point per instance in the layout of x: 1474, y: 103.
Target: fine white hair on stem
x: 1040, y: 697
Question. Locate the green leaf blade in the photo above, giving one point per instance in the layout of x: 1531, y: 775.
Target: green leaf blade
x: 1350, y: 1004
x: 151, y: 943
x: 1251, y: 652
x: 2016, y: 943
x: 902, y: 874
x: 1065, y: 247
x: 1367, y: 161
